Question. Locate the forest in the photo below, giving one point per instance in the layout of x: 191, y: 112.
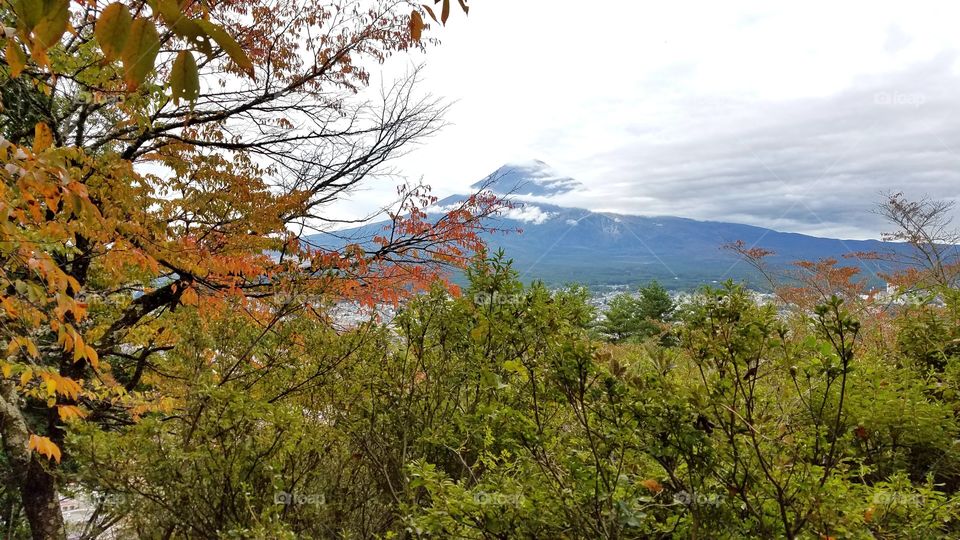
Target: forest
x: 173, y: 367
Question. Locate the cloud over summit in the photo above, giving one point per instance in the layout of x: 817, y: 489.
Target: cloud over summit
x: 790, y: 116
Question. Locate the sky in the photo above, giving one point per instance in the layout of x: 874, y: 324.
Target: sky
x: 795, y: 116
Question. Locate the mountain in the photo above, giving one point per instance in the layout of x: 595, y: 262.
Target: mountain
x: 535, y: 178
x: 562, y: 244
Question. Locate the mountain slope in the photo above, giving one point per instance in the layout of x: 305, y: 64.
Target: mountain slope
x: 562, y: 244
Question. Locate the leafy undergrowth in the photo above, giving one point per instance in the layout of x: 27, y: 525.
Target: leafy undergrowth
x: 498, y: 414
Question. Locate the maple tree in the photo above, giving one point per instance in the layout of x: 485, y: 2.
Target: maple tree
x: 805, y: 284
x: 164, y: 153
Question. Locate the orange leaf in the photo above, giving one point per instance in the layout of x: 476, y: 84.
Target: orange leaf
x: 652, y: 484
x: 416, y: 25
x: 70, y: 412
x: 42, y: 137
x: 66, y: 386
x: 16, y: 58
x: 189, y: 297
x: 44, y: 447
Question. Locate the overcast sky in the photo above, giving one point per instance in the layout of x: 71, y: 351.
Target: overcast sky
x: 794, y: 116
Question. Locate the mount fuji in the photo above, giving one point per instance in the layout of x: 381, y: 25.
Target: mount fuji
x: 563, y: 244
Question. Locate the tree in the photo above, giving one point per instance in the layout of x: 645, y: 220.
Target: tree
x: 928, y: 333
x: 637, y: 317
x: 655, y: 302
x: 492, y: 414
x: 927, y: 226
x: 166, y: 154
x: 344, y: 422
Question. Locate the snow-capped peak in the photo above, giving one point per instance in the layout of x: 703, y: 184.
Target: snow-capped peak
x: 534, y: 178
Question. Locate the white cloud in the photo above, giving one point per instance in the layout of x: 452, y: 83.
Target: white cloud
x: 528, y: 214
x: 787, y: 115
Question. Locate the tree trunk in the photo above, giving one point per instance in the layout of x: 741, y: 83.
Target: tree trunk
x: 38, y: 486
x: 41, y: 501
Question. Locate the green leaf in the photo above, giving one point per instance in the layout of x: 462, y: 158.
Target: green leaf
x: 183, y: 26
x: 140, y: 52
x: 112, y: 30
x: 29, y: 13
x: 229, y: 45
x: 514, y: 366
x: 491, y: 380
x: 184, y: 78
x: 479, y: 332
x: 169, y: 10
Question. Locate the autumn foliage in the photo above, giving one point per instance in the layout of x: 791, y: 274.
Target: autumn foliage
x: 165, y: 153
x: 167, y: 318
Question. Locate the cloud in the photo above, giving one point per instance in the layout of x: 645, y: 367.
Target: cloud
x: 816, y: 165
x: 528, y: 214
x: 790, y: 116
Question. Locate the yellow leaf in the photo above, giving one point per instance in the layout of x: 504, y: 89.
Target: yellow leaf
x: 42, y: 137
x: 39, y: 55
x: 26, y: 376
x: 67, y: 386
x: 184, y: 78
x: 51, y: 387
x: 91, y: 355
x: 31, y: 348
x: 16, y: 58
x: 44, y: 447
x: 112, y: 30
x: 52, y: 24
x: 74, y: 284
x: 7, y: 370
x: 140, y: 52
